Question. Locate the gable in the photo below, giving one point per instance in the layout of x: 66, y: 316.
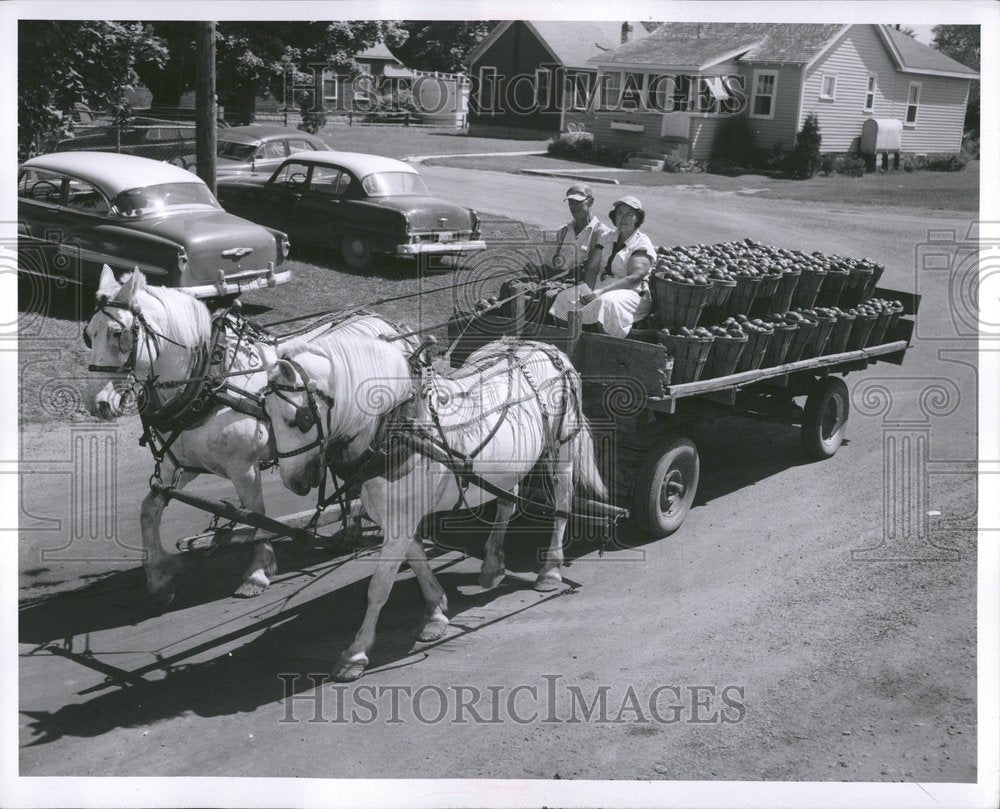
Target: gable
x: 571, y: 43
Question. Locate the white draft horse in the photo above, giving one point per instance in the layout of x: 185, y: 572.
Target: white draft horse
x: 341, y: 400
x: 158, y: 333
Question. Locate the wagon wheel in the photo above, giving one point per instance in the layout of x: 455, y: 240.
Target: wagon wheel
x: 356, y: 250
x: 824, y: 419
x: 665, y: 485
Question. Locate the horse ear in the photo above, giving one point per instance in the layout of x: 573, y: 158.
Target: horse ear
x: 136, y: 283
x: 281, y: 371
x: 108, y: 285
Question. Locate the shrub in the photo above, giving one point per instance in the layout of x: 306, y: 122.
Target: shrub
x: 850, y: 165
x: 674, y: 165
x: 313, y: 122
x: 909, y: 164
x: 733, y: 144
x: 581, y: 146
x: 826, y: 165
x: 970, y: 145
x: 945, y: 162
x: 804, y: 161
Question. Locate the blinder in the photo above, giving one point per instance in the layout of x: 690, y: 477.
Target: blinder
x: 305, y: 418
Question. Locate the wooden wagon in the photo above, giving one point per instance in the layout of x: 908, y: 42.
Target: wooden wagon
x: 643, y: 420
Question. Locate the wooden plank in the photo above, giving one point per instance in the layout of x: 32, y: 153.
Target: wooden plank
x: 750, y: 377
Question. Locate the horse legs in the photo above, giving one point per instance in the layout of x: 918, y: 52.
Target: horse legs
x: 397, y: 545
x: 492, y: 571
x: 435, y: 621
x: 160, y: 567
x: 263, y: 565
x: 549, y: 577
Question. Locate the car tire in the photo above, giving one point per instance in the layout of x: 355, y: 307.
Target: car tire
x: 356, y: 250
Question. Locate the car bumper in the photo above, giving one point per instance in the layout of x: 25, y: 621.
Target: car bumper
x: 234, y: 285
x: 440, y: 248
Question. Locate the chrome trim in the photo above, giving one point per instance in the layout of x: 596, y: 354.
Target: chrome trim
x: 424, y: 248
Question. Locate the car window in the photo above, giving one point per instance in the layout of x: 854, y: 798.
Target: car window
x: 393, y: 183
x: 275, y: 150
x: 236, y: 151
x: 291, y: 174
x: 83, y: 196
x: 169, y: 133
x: 164, y: 198
x: 40, y: 185
x: 328, y: 181
x: 299, y: 145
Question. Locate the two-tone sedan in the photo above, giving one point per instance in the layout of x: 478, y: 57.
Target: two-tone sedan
x: 78, y: 211
x: 359, y: 205
x: 257, y: 149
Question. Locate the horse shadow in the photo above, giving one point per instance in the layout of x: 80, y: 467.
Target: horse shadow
x: 293, y: 649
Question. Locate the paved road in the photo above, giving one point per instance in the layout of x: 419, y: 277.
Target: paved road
x: 779, y: 651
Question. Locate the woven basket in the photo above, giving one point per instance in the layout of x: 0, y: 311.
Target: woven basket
x: 833, y: 285
x: 840, y: 335
x: 679, y: 304
x: 780, y: 343
x: 801, y: 340
x: 821, y: 339
x: 724, y: 356
x: 689, y: 355
x: 873, y: 282
x: 861, y: 332
x: 742, y: 297
x: 715, y: 309
x: 808, y: 288
x: 877, y: 336
x: 753, y: 351
x: 856, y: 287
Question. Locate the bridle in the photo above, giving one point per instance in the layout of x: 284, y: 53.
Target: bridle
x: 306, y: 415
x: 130, y: 344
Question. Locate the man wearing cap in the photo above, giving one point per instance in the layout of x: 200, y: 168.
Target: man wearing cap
x: 579, y: 243
x: 620, y: 295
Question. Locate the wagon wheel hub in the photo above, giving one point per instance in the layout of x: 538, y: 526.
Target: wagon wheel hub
x: 672, y: 490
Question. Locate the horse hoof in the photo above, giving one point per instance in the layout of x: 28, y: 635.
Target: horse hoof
x: 490, y: 580
x: 546, y: 584
x: 250, y: 589
x: 349, y: 672
x: 432, y: 630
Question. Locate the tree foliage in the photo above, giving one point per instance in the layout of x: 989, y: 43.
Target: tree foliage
x: 961, y: 43
x: 257, y: 58
x: 62, y: 62
x: 804, y: 161
x: 442, y: 45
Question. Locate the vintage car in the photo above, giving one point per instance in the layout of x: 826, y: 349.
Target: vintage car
x: 257, y: 149
x: 358, y: 204
x: 80, y: 210
x: 171, y: 141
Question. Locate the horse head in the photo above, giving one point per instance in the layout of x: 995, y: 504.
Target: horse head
x: 112, y: 330
x: 297, y: 415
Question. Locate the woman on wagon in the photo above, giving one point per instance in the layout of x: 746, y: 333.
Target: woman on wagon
x: 619, y: 296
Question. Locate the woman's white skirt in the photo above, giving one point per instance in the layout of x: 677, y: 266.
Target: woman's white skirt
x: 616, y: 311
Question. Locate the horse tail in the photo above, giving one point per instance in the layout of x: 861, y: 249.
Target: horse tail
x: 585, y: 471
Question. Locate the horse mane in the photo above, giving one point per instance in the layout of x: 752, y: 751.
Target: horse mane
x: 368, y: 376
x: 177, y: 315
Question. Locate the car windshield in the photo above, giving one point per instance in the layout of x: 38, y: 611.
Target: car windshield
x: 165, y: 198
x: 235, y: 151
x: 393, y: 183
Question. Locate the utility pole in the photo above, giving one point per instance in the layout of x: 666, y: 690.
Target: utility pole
x: 205, y: 103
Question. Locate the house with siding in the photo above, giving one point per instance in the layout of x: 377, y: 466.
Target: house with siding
x: 525, y: 74
x: 669, y: 93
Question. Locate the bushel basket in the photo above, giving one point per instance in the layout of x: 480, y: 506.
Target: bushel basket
x: 679, y: 304
x: 724, y: 356
x: 689, y: 355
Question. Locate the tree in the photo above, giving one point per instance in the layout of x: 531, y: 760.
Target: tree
x: 257, y: 58
x: 442, y: 45
x: 62, y: 62
x: 905, y: 29
x: 804, y: 161
x: 961, y: 43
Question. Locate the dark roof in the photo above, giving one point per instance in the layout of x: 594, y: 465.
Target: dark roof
x: 688, y: 44
x: 376, y: 52
x: 574, y: 42
x: 918, y: 56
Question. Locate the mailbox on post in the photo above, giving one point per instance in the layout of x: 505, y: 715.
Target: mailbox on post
x: 881, y: 136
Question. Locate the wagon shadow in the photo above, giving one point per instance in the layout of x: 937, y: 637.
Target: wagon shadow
x: 294, y: 650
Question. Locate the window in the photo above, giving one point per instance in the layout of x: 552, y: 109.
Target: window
x: 274, y: 150
x: 712, y: 95
x: 292, y: 174
x: 912, y: 103
x: 327, y: 180
x: 870, y: 94
x: 658, y: 93
x: 41, y: 185
x: 329, y: 87
x: 393, y: 183
x: 632, y: 90
x: 610, y: 90
x: 829, y: 91
x: 295, y: 145
x: 82, y: 196
x: 579, y: 84
x: 765, y: 84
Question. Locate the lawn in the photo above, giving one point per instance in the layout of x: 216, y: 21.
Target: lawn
x: 407, y: 141
x: 952, y: 191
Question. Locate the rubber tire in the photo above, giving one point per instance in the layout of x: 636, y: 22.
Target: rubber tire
x: 668, y: 454
x: 819, y: 442
x: 356, y: 250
